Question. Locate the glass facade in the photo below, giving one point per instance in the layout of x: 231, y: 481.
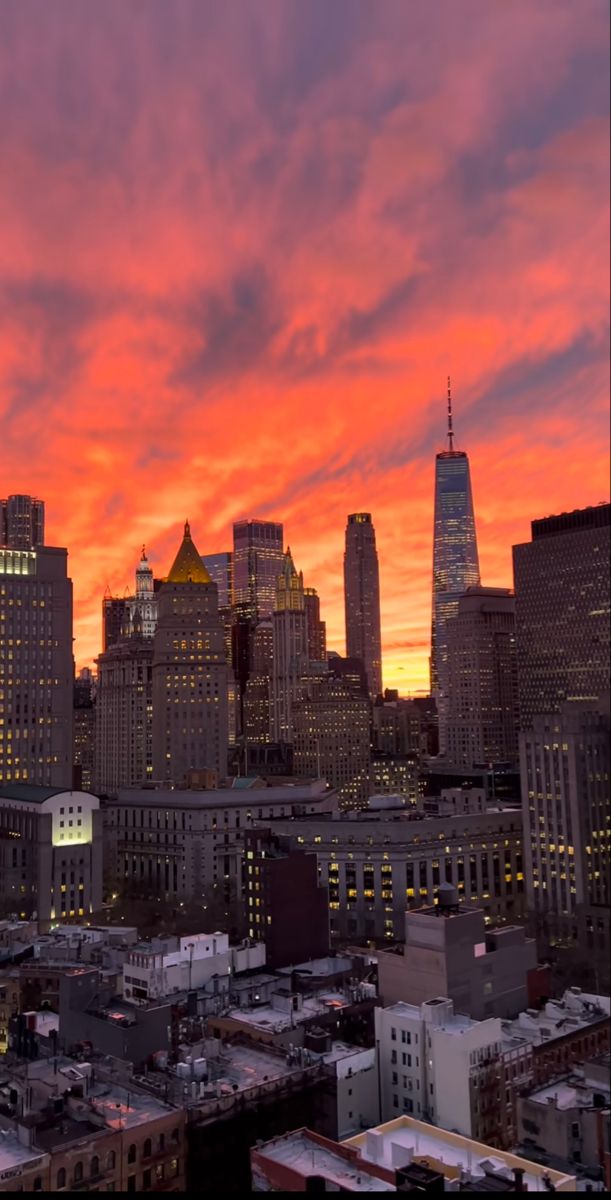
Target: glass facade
x: 220, y: 570
x: 258, y: 558
x: 455, y: 562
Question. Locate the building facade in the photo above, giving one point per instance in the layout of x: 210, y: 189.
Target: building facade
x: 332, y: 739
x: 316, y: 629
x: 220, y: 569
x: 36, y: 667
x: 482, y: 700
x: 180, y: 843
x: 50, y: 852
x: 84, y: 730
x: 288, y: 908
x: 258, y: 556
x: 455, y: 559
x: 124, y: 715
x: 190, y: 673
x: 376, y: 865
x: 290, y: 648
x: 22, y: 522
x: 428, y: 1058
x: 561, y: 581
x: 362, y: 599
x: 565, y: 766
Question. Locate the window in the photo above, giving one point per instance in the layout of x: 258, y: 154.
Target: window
x: 174, y: 1169
x: 37, y: 1184
x: 131, y: 1182
x: 61, y: 1177
x: 147, y: 1149
x: 95, y: 1165
x: 131, y: 1155
x: 147, y: 1179
x: 161, y: 1143
x: 111, y: 1159
x: 78, y: 1172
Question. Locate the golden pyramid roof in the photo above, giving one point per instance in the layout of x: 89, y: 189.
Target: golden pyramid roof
x: 188, y: 566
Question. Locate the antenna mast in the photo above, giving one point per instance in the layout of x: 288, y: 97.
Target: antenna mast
x: 450, y: 429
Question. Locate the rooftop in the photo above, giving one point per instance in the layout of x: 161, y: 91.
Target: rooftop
x: 303, y: 1153
x: 229, y: 797
x: 274, y: 1020
x: 64, y: 1131
x: 15, y: 1156
x: 30, y: 793
x: 449, y: 1152
x: 122, y: 1109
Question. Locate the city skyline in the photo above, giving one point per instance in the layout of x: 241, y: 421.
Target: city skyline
x: 254, y: 316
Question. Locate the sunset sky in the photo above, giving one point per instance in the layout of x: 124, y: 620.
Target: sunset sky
x: 243, y: 243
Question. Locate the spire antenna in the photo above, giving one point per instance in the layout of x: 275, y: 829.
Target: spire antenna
x: 450, y: 429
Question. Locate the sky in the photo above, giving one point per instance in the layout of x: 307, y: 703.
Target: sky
x: 243, y: 245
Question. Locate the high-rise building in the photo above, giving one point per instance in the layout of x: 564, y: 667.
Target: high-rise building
x: 36, y: 667
x: 258, y: 712
x: 332, y: 741
x: 84, y: 730
x: 290, y: 650
x: 565, y: 766
x: 561, y: 581
x: 288, y: 908
x: 131, y: 615
x: 220, y: 569
x: 482, y: 701
x: 124, y: 715
x: 22, y: 522
x: 190, y: 693
x: 455, y: 558
x: 258, y: 556
x: 362, y: 598
x: 316, y: 629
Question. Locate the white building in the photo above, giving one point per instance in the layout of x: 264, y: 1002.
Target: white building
x: 357, y: 1092
x: 50, y: 851
x: 428, y: 1058
x: 151, y: 974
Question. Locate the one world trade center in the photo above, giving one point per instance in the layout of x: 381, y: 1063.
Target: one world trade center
x: 455, y: 559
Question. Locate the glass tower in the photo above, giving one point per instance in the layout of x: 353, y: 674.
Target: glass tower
x: 258, y: 559
x: 455, y: 559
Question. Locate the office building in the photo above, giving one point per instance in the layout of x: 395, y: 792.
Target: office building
x: 482, y: 700
x: 22, y: 522
x: 258, y: 707
x: 399, y: 728
x: 362, y: 599
x: 332, y: 740
x: 377, y: 863
x: 36, y: 667
x: 449, y: 952
x: 50, y: 852
x: 316, y: 629
x: 124, y: 715
x: 220, y: 569
x: 84, y: 731
x: 288, y: 909
x: 565, y: 765
x: 258, y: 556
x: 561, y: 581
x: 455, y: 559
x: 180, y: 843
x: 190, y: 688
x: 290, y: 648
x: 427, y: 1064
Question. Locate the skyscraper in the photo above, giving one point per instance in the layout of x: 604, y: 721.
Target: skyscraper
x: 124, y: 715
x: 290, y: 647
x: 317, y: 630
x: 332, y: 739
x: 362, y: 598
x: 561, y: 583
x: 258, y: 556
x: 22, y: 522
x: 482, y: 702
x: 220, y: 569
x: 36, y: 667
x: 455, y: 558
x: 190, y: 719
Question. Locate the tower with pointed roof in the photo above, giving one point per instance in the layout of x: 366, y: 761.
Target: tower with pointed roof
x: 190, y: 719
x: 455, y: 559
x: 290, y: 647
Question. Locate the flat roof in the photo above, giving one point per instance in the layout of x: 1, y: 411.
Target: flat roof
x: 221, y: 797
x: 15, y: 1156
x: 451, y: 1151
x: 65, y: 1130
x: 126, y: 1109
x: 303, y: 1154
x: 274, y: 1020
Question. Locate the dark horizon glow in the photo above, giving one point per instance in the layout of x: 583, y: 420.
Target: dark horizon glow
x: 244, y: 246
